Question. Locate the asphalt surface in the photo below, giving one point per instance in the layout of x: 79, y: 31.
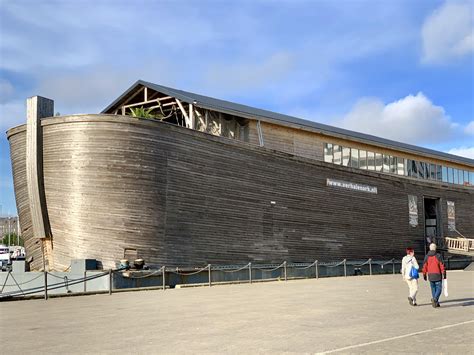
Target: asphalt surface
x: 364, y: 314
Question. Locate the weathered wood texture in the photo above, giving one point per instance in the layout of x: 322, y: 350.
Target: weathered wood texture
x: 181, y: 197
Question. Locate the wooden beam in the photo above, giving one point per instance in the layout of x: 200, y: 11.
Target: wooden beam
x: 186, y: 118
x: 191, y: 116
x: 148, y: 102
x: 37, y: 108
x: 198, y: 114
x: 145, y: 94
x: 133, y: 95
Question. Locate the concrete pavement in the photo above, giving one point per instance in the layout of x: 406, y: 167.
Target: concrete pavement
x: 365, y: 314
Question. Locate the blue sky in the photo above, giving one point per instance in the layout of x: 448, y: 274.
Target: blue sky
x: 399, y: 69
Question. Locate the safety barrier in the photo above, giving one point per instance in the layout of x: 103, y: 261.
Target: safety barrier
x: 250, y: 272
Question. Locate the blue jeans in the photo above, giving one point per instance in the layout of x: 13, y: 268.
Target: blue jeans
x: 436, y: 287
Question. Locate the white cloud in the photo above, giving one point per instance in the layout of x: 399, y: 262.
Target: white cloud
x: 412, y: 119
x: 447, y: 33
x: 12, y: 114
x: 467, y: 152
x: 6, y: 90
x: 469, y: 129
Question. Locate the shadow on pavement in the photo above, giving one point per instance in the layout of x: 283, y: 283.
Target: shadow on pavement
x: 462, y: 302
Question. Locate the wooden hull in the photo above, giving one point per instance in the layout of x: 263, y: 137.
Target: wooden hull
x: 181, y: 197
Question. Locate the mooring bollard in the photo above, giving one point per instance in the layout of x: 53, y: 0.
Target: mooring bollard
x: 250, y: 272
x: 316, y: 267
x: 45, y: 285
x: 163, y: 275
x: 284, y: 269
x: 345, y: 267
x: 370, y: 267
x: 110, y: 281
x: 393, y: 266
x: 210, y: 280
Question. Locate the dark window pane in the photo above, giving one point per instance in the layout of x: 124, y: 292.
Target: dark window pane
x: 445, y: 174
x: 420, y: 166
x: 432, y: 171
x: 439, y: 171
x: 450, y: 175
x: 393, y: 165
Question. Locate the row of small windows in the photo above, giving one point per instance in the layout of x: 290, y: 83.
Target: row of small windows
x: 362, y: 159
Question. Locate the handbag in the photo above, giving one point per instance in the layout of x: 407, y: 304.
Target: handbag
x: 414, y: 273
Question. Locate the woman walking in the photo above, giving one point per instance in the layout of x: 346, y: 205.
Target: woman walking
x: 410, y: 275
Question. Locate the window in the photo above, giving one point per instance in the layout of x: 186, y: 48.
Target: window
x: 466, y: 177
x: 362, y: 159
x: 393, y: 165
x: 401, y: 166
x: 371, y: 160
x: 386, y: 163
x: 378, y: 162
x: 471, y: 178
x: 445, y: 174
x: 328, y: 153
x: 450, y: 175
x: 420, y: 167
x: 411, y: 168
x: 355, y: 158
x: 337, y: 149
x: 346, y: 156
x: 432, y: 172
x: 456, y: 176
x: 439, y: 170
x: 427, y: 171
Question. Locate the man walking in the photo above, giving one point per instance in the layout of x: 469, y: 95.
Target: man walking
x: 409, y: 262
x: 433, y: 266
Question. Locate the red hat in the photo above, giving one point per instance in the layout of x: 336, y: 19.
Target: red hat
x: 410, y: 250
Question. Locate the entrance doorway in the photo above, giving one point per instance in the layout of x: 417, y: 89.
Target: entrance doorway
x: 432, y: 215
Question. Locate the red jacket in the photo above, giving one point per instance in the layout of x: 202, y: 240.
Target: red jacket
x: 434, y: 267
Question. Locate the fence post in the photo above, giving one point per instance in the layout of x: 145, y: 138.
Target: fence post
x: 45, y: 285
x: 345, y: 267
x: 210, y: 280
x: 393, y: 266
x: 316, y: 267
x: 370, y: 267
x: 284, y: 269
x: 110, y: 281
x: 250, y: 272
x: 163, y: 275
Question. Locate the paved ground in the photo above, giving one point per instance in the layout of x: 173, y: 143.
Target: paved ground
x: 343, y: 315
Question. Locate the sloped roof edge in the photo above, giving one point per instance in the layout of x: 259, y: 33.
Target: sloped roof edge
x: 285, y: 120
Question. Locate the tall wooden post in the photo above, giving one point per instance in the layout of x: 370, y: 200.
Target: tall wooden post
x: 37, y: 107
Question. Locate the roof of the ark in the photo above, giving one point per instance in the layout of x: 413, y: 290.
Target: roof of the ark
x: 285, y: 120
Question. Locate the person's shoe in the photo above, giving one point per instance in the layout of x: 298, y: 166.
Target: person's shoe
x: 433, y: 303
x: 437, y: 305
x: 414, y: 303
x: 410, y: 300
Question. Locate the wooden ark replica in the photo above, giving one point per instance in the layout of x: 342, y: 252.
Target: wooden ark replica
x: 210, y: 181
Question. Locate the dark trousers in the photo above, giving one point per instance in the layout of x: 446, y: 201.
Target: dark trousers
x: 436, y: 287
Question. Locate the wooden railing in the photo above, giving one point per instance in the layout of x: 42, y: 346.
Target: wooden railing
x: 461, y: 244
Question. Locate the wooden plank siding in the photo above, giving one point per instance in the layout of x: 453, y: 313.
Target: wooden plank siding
x: 309, y: 144
x: 182, y: 197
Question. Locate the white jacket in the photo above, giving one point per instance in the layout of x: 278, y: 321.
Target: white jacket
x: 407, y: 263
